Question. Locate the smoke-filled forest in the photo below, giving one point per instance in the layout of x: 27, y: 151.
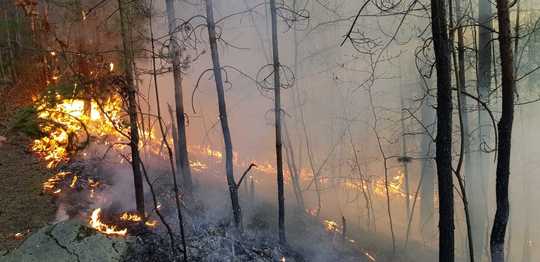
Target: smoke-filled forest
x: 269, y: 130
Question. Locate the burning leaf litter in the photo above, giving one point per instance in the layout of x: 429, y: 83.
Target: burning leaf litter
x: 95, y: 222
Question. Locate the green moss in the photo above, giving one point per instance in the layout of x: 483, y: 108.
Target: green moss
x: 84, y: 232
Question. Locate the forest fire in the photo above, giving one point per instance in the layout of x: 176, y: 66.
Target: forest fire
x: 395, y: 186
x: 96, y: 223
x: 331, y: 226
x: 198, y: 166
x: 127, y: 220
x: 136, y: 218
x: 69, y: 123
x: 51, y: 184
x: 126, y: 216
x: 318, y: 124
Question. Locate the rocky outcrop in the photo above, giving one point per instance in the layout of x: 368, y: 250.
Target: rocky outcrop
x: 68, y: 241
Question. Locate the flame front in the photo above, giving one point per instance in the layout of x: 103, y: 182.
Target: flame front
x: 71, y: 119
x: 95, y: 222
x: 130, y: 217
x: 50, y: 185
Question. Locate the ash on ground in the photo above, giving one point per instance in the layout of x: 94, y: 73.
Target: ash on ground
x: 209, y: 243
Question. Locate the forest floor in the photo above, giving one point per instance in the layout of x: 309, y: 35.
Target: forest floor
x: 23, y: 207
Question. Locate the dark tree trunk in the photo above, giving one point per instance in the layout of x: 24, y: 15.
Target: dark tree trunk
x: 504, y: 127
x: 444, y: 131
x: 277, y: 108
x: 132, y: 106
x: 237, y: 212
x: 181, y: 147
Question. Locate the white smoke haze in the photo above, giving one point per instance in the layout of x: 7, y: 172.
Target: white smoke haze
x: 337, y: 112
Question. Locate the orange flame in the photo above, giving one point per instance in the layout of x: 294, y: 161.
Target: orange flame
x: 95, y: 222
x: 49, y: 186
x: 331, y: 226
x: 68, y: 118
x: 130, y: 217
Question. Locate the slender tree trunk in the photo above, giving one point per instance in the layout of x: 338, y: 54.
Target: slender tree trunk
x: 175, y: 138
x: 277, y: 109
x: 444, y: 131
x: 427, y: 171
x: 233, y: 190
x: 476, y: 181
x: 181, y: 148
x: 459, y: 69
x: 123, y: 10
x: 404, y: 159
x: 166, y: 143
x: 293, y: 169
x: 504, y: 127
x: 365, y: 186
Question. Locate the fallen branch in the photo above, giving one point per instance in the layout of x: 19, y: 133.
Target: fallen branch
x: 244, y: 174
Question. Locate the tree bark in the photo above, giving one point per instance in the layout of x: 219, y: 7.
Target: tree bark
x: 181, y: 148
x: 233, y: 190
x: 123, y: 10
x: 444, y: 131
x: 277, y: 109
x: 504, y: 127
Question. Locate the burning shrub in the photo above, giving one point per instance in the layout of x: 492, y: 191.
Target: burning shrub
x: 70, y: 123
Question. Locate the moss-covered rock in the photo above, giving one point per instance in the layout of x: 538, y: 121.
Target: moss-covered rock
x: 68, y: 241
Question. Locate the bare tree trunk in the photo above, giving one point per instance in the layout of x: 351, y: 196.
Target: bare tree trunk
x: 132, y: 106
x: 175, y: 138
x: 277, y: 109
x: 344, y: 229
x: 181, y: 148
x: 293, y: 169
x: 404, y: 159
x: 365, y: 186
x: 237, y: 212
x: 504, y: 127
x: 459, y: 70
x: 427, y: 171
x: 169, y: 151
x: 444, y: 131
x: 476, y: 182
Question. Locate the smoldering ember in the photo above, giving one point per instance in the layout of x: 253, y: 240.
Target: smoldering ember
x: 269, y: 130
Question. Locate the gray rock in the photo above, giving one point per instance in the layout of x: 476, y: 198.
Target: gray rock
x: 68, y: 241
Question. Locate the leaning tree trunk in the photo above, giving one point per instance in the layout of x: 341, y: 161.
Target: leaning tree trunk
x: 233, y: 190
x: 181, y: 147
x: 277, y: 109
x: 444, y: 131
x: 123, y: 10
x: 504, y: 127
